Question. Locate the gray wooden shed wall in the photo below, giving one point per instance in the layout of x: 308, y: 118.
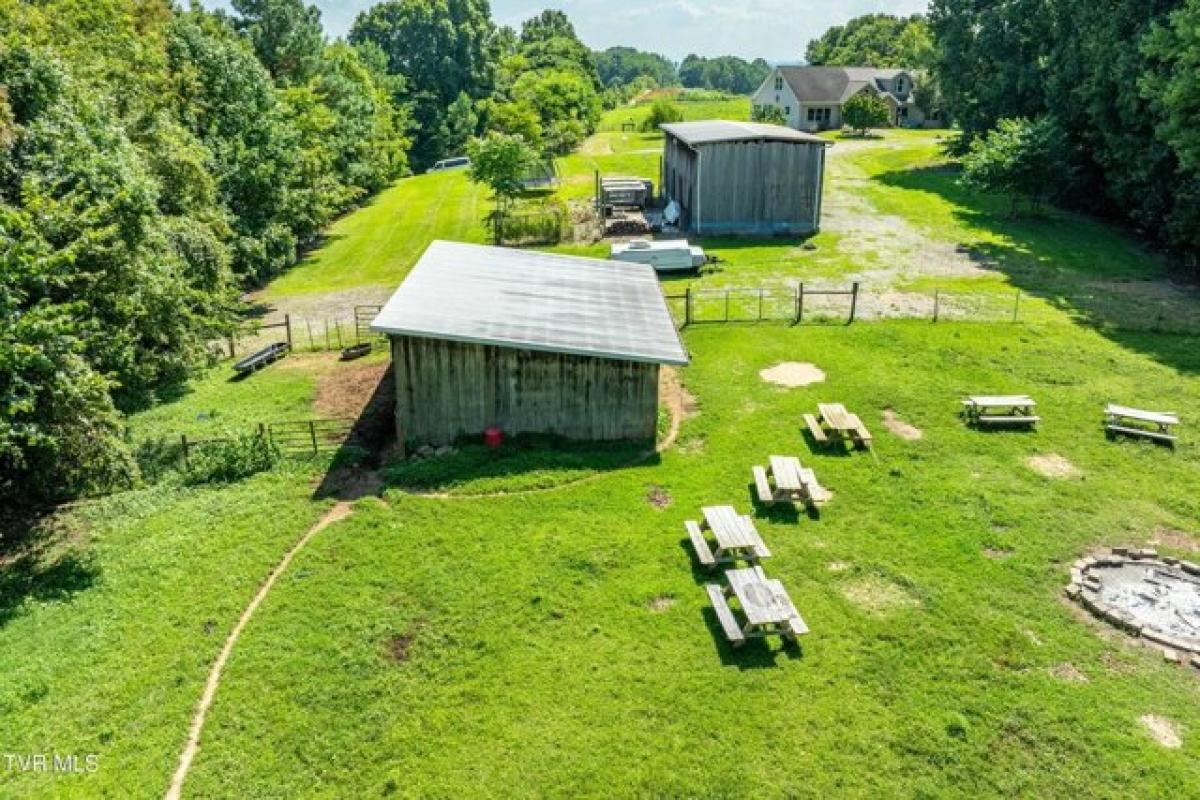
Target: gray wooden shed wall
x: 447, y: 389
x: 746, y: 187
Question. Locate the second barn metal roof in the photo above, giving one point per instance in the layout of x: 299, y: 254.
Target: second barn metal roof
x: 710, y: 131
x: 536, y: 301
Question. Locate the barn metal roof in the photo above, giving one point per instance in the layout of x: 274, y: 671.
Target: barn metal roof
x: 535, y: 301
x: 719, y: 130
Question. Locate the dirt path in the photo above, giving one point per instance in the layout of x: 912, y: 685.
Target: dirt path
x: 338, y: 512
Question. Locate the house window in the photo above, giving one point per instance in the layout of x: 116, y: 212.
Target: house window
x: 778, y: 83
x: 787, y: 111
x: 899, y: 85
x: 821, y: 115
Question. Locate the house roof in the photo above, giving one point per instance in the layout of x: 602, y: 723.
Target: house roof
x: 833, y: 84
x: 534, y: 301
x: 720, y: 130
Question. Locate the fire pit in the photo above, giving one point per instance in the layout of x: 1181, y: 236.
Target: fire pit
x: 1156, y: 598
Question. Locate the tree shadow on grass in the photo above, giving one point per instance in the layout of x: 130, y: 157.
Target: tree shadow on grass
x: 39, y: 562
x: 1087, y: 267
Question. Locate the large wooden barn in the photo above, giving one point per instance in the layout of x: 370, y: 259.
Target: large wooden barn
x: 528, y: 342
x: 744, y: 178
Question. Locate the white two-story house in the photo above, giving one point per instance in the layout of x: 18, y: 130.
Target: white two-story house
x: 811, y: 98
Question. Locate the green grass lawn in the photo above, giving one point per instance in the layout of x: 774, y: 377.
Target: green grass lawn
x: 559, y: 641
x: 108, y: 637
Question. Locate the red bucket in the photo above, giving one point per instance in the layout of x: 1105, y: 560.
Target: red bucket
x: 493, y: 437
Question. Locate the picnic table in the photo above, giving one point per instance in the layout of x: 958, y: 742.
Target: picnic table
x: 1154, y: 425
x: 1014, y: 409
x: 737, y: 538
x: 764, y: 603
x: 837, y: 424
x: 792, y: 483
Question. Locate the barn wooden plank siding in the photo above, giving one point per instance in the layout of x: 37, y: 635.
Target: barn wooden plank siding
x: 529, y: 342
x: 470, y: 387
x: 744, y: 178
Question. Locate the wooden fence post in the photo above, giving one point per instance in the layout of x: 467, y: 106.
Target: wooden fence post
x: 232, y: 345
x: 726, y: 305
x: 184, y: 442
x: 937, y: 299
x: 1016, y: 305
x: 853, y: 302
x: 687, y: 306
x: 312, y: 431
x: 800, y: 303
x: 760, y: 303
x: 287, y: 324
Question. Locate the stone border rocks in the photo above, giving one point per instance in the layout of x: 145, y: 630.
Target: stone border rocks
x: 1085, y: 589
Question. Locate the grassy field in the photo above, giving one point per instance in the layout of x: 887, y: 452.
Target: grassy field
x: 554, y: 638
x: 895, y: 220
x: 559, y: 642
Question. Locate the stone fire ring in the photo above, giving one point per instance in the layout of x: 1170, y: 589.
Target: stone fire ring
x: 1147, y: 596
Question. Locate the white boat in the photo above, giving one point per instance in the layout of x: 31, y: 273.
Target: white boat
x: 672, y: 255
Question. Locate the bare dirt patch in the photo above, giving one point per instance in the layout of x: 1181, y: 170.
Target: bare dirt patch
x: 899, y: 427
x: 661, y: 603
x: 345, y: 391
x: 1161, y: 730
x: 679, y: 402
x: 877, y: 596
x: 1053, y: 465
x: 837, y: 566
x: 997, y: 553
x: 316, y: 308
x: 792, y: 374
x: 399, y: 647
x: 1174, y: 539
x: 658, y: 497
x: 1068, y: 673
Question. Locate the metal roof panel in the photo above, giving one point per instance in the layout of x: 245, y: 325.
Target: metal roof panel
x: 533, y: 300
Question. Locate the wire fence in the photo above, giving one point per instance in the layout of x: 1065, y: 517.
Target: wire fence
x: 304, y: 334
x: 308, y: 437
x: 806, y: 304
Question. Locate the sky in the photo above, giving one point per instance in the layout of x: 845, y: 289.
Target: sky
x: 776, y: 30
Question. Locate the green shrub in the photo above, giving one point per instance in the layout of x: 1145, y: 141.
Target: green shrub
x: 231, y: 459
x: 662, y: 112
x: 530, y: 223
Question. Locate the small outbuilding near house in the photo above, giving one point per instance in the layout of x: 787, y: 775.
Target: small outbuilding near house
x: 529, y: 342
x: 744, y: 177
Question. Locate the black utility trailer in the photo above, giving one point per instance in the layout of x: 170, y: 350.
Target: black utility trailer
x: 268, y: 355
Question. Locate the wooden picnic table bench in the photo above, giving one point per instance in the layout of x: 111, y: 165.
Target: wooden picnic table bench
x: 837, y: 424
x: 792, y: 483
x: 1016, y: 409
x: 1155, y: 425
x: 764, y: 603
x: 737, y: 538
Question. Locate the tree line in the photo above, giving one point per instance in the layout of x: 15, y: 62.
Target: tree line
x: 624, y: 66
x: 1110, y: 99
x: 153, y: 163
x: 156, y: 162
